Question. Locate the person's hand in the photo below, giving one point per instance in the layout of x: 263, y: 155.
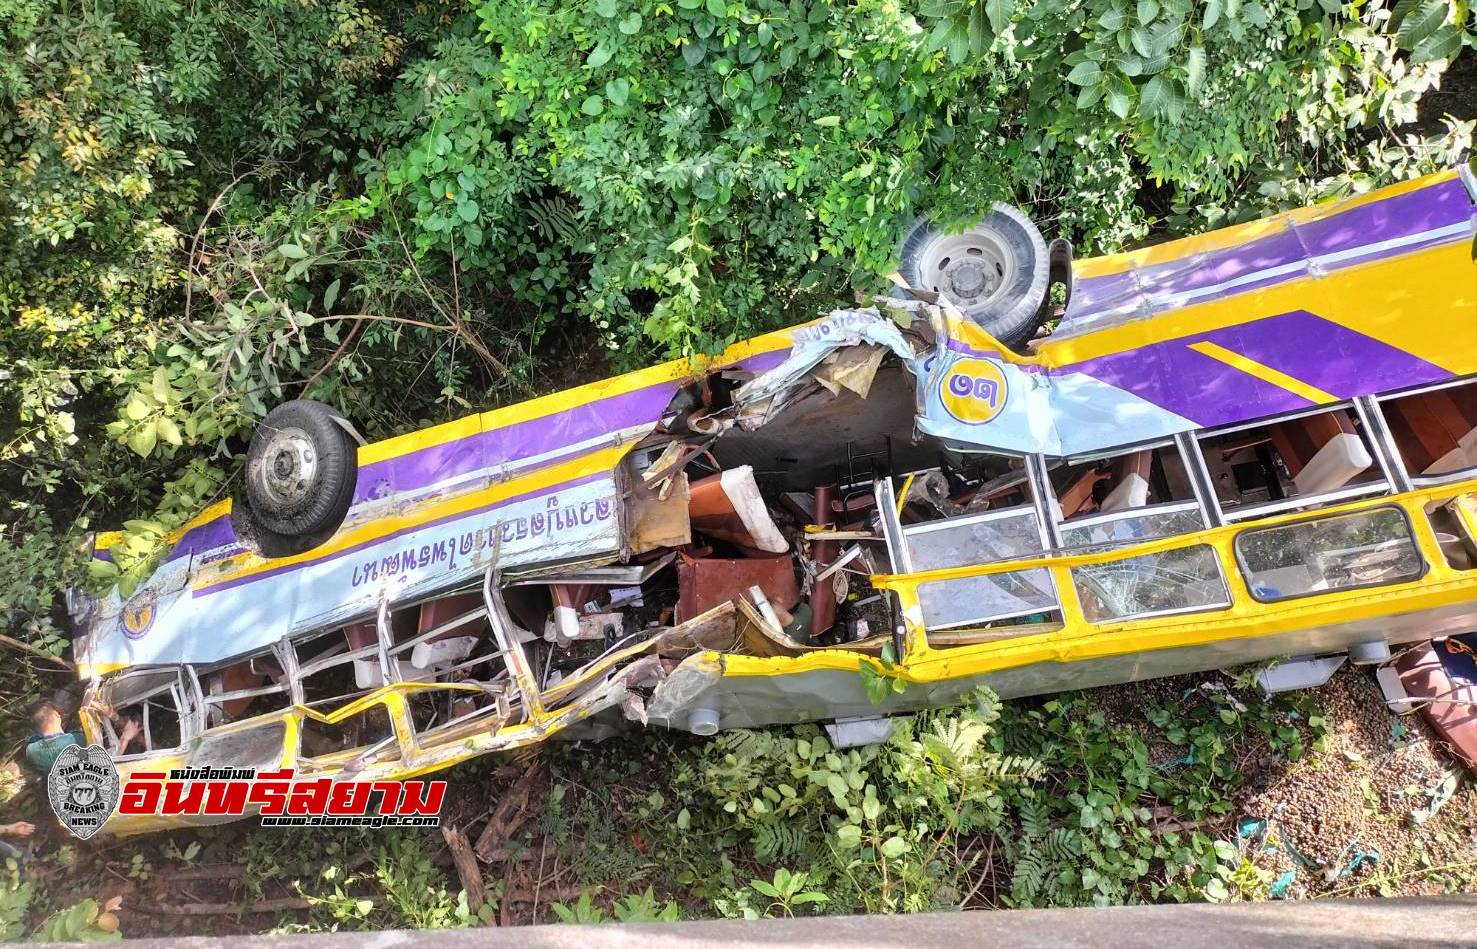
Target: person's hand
x: 131, y: 728
x: 18, y: 829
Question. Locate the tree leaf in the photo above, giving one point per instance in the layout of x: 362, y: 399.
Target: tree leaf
x: 330, y: 296
x: 143, y: 439
x: 618, y: 90
x: 1113, y: 19
x: 599, y: 56
x: 828, y: 121
x: 1142, y: 41
x: 1119, y: 95
x: 1155, y: 96
x: 693, y: 53
x: 607, y: 8
x: 999, y: 13
x: 893, y: 847
x: 1195, y: 69
x: 630, y: 25
x: 593, y: 105
x: 718, y: 8
x: 169, y: 431
x: 1212, y: 14
x: 292, y: 251
x: 1147, y: 10
x: 1086, y: 73
x: 1445, y: 43
x: 957, y: 42
x: 1415, y: 19
x: 942, y: 8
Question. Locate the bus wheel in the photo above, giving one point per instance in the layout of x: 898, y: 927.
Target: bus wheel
x: 301, y: 470
x: 995, y: 272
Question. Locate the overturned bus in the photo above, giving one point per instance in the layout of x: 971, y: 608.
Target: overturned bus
x: 1252, y: 444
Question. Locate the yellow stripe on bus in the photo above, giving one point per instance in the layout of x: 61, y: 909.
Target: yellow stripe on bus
x: 1265, y: 373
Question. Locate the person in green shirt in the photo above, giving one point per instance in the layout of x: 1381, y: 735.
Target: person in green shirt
x: 52, y: 737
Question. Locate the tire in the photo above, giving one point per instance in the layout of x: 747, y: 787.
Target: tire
x: 301, y: 471
x: 996, y: 272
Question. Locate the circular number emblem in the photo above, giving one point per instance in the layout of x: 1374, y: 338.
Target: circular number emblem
x: 973, y: 391
x: 138, y: 614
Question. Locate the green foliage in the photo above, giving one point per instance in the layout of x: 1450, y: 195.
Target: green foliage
x: 874, y: 828
x: 882, y: 679
x: 84, y: 921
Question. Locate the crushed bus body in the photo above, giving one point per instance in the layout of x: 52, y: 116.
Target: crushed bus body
x: 1257, y: 443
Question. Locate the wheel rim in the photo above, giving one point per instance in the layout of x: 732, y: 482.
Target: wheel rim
x: 289, y: 467
x: 972, y: 269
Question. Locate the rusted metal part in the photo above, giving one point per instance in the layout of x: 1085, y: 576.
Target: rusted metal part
x: 1446, y: 702
x: 703, y: 583
x: 728, y: 507
x: 822, y: 594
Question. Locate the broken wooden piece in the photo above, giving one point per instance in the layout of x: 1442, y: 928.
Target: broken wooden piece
x: 467, y: 870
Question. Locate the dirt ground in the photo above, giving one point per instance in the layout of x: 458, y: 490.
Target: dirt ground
x: 1356, y: 812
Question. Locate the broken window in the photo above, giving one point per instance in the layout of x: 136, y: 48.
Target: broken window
x: 159, y: 700
x: 970, y: 516
x: 248, y: 687
x: 1310, y: 459
x: 1340, y: 552
x: 1435, y: 431
x: 1184, y: 580
x: 358, y: 739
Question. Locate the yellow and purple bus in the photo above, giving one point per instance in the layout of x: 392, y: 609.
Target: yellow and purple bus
x: 1255, y: 444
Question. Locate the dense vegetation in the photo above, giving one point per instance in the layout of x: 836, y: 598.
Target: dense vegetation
x: 417, y: 209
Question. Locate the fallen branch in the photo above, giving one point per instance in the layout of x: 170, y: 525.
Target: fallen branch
x: 508, y: 817
x: 27, y: 647
x: 467, y: 869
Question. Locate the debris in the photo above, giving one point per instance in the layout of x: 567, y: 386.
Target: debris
x: 853, y: 367
x: 1438, y: 794
x: 1440, y: 678
x: 846, y: 558
x: 467, y: 870
x: 1280, y: 886
x: 758, y: 598
x: 728, y: 507
x: 822, y: 596
x: 705, y: 582
x: 509, y: 815
x: 857, y: 732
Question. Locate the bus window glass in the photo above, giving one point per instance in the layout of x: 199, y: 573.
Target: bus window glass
x: 1010, y: 534
x: 1341, y: 552
x: 1184, y: 580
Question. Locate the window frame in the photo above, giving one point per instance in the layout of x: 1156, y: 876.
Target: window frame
x: 1246, y: 573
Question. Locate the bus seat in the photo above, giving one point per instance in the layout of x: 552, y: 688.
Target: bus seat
x: 1132, y: 491
x: 1342, y: 458
x: 1130, y: 482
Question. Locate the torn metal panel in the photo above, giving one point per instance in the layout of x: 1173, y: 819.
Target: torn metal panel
x: 728, y: 506
x: 703, y: 583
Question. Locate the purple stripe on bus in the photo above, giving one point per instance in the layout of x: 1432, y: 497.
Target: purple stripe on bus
x: 285, y: 568
x: 204, y: 537
x: 513, y: 442
x: 1399, y: 216
x: 1326, y: 355
x: 484, y: 449
x: 1192, y: 385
